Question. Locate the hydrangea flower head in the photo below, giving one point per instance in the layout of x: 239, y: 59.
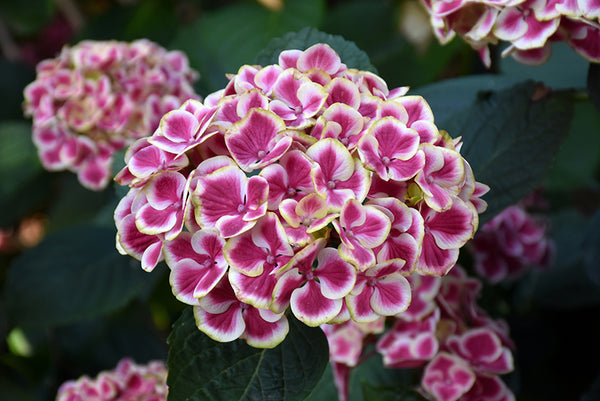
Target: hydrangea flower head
x: 97, y: 97
x: 305, y: 186
x: 528, y: 26
x: 127, y: 382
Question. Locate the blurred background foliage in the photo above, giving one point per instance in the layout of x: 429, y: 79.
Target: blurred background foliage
x: 56, y: 327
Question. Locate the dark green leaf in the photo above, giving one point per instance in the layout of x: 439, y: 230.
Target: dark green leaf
x: 26, y: 18
x: 351, y: 55
x: 397, y: 61
x: 100, y: 343
x: 593, y: 84
x: 18, y: 156
x: 372, y: 373
x: 19, y: 75
x: 377, y: 393
x: 566, y: 284
x: 73, y: 274
x: 591, y: 249
x: 23, y: 182
x: 576, y: 163
x: 75, y: 204
x: 450, y: 96
x: 325, y: 390
x: 14, y: 391
x: 510, y: 139
x: 565, y: 69
x: 151, y: 19
x: 222, y: 41
x: 202, y: 369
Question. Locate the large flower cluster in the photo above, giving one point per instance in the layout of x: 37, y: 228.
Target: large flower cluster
x: 302, y: 185
x: 530, y: 26
x: 95, y: 98
x: 462, y: 350
x: 127, y: 382
x: 511, y: 243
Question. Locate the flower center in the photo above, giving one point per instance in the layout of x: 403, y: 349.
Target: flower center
x: 261, y: 154
x: 270, y: 259
x: 309, y: 276
x: 385, y: 160
x: 371, y: 281
x: 241, y: 208
x: 331, y: 184
x: 291, y: 192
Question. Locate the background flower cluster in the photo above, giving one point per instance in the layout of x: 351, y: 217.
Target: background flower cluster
x: 529, y: 26
x: 99, y: 96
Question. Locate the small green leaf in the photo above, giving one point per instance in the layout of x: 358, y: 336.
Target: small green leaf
x: 510, y: 139
x: 203, y: 369
x: 73, y: 274
x: 350, y: 54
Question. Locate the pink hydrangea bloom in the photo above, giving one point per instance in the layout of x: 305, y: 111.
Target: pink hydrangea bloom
x: 462, y: 349
x: 510, y: 244
x: 528, y: 26
x: 324, y: 189
x: 95, y: 98
x: 127, y: 382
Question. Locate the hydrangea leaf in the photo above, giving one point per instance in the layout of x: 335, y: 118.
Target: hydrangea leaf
x: 350, y: 54
x: 73, y: 274
x: 452, y: 95
x: 511, y: 137
x: 239, y: 372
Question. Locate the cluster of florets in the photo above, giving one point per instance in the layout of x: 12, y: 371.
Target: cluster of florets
x: 302, y: 185
x: 461, y: 349
x: 530, y: 26
x: 512, y: 243
x: 127, y: 382
x: 95, y: 98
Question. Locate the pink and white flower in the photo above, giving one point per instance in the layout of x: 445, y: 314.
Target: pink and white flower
x: 510, y: 244
x: 529, y: 26
x: 447, y: 377
x: 302, y: 185
x: 95, y: 98
x: 128, y: 381
x: 223, y: 317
